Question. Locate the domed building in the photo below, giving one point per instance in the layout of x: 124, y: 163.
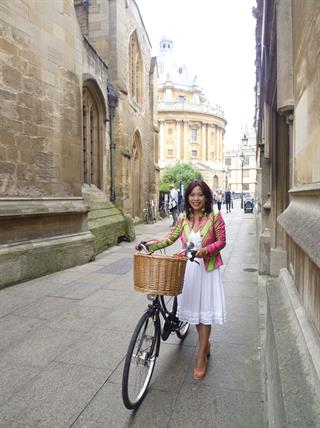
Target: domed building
x: 190, y: 129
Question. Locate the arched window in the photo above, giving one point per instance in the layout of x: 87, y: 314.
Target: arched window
x: 93, y: 114
x: 135, y: 69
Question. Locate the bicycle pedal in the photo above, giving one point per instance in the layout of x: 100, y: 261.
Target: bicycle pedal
x: 174, y: 322
x: 175, y: 325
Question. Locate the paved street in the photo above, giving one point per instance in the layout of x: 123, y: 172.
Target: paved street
x: 63, y: 338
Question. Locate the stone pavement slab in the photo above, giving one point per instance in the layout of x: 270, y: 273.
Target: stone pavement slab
x: 13, y: 377
x: 107, y: 350
x: 54, y: 398
x: 202, y: 406
x: 107, y: 410
x: 79, y: 318
x: 39, y: 348
x: 13, y: 330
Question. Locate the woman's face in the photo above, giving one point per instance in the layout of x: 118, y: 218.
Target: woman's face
x: 197, y: 199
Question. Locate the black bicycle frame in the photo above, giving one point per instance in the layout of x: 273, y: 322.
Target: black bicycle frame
x: 154, y: 309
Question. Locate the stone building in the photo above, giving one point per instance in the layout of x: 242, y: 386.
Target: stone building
x: 116, y: 31
x: 189, y: 128
x: 288, y: 129
x: 241, y: 165
x: 77, y: 131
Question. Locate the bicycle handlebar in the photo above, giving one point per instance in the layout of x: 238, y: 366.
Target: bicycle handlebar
x: 142, y: 247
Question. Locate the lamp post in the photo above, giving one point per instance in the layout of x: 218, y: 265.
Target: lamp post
x: 242, y: 161
x: 244, y: 141
x: 112, y: 102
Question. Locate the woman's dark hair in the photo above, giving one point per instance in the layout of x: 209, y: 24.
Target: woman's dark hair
x: 207, y: 193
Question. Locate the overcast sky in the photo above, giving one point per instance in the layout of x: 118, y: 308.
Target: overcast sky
x: 215, y: 39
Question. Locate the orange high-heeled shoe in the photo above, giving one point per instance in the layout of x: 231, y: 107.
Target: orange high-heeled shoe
x: 200, y: 374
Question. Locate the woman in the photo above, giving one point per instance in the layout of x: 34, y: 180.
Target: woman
x: 202, y: 300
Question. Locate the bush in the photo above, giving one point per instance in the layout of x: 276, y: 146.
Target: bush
x: 180, y: 172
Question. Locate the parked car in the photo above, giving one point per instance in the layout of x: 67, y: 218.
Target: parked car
x: 248, y: 204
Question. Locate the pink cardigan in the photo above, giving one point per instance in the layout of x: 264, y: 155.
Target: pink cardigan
x: 212, y: 232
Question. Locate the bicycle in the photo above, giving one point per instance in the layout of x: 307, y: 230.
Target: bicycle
x: 149, y: 213
x: 144, y: 346
x: 164, y: 209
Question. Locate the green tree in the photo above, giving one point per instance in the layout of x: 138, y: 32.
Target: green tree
x: 180, y: 172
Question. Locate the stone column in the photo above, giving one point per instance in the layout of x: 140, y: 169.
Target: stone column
x: 222, y: 145
x: 214, y: 143
x: 162, y: 140
x: 178, y: 140
x: 208, y: 141
x: 285, y: 98
x: 185, y: 141
x: 203, y: 143
x: 218, y: 144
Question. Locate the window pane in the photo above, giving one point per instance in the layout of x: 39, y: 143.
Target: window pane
x: 193, y: 135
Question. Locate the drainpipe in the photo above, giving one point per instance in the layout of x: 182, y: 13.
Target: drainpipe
x: 112, y: 103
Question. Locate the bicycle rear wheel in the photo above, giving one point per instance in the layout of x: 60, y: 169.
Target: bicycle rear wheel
x: 140, y: 360
x: 169, y: 304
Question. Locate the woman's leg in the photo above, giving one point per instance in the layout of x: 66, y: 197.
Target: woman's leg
x: 204, y: 331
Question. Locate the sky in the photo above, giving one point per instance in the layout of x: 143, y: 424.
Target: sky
x: 215, y: 39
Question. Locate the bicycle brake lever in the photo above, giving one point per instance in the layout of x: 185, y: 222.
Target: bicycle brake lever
x: 193, y: 255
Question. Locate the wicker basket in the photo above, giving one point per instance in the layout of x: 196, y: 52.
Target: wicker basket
x: 158, y: 274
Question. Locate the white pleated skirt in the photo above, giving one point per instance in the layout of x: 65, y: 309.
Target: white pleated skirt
x: 202, y: 299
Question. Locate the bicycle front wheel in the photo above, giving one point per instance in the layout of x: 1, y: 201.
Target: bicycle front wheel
x: 140, y: 360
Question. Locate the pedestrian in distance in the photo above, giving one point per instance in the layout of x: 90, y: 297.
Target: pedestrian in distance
x: 180, y: 201
x: 219, y: 200
x: 173, y: 204
x: 201, y: 302
x: 227, y: 198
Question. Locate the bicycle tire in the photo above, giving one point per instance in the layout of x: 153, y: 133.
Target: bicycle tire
x: 141, y: 358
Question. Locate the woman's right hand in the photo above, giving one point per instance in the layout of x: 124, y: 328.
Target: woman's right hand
x: 144, y: 244
x: 141, y: 245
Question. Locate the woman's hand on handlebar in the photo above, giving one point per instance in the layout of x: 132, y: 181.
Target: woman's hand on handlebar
x: 201, y: 253
x: 143, y: 245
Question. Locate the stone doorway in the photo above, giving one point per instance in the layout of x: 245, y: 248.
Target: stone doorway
x: 93, y: 134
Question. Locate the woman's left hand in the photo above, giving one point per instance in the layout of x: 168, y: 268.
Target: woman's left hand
x: 201, y: 253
